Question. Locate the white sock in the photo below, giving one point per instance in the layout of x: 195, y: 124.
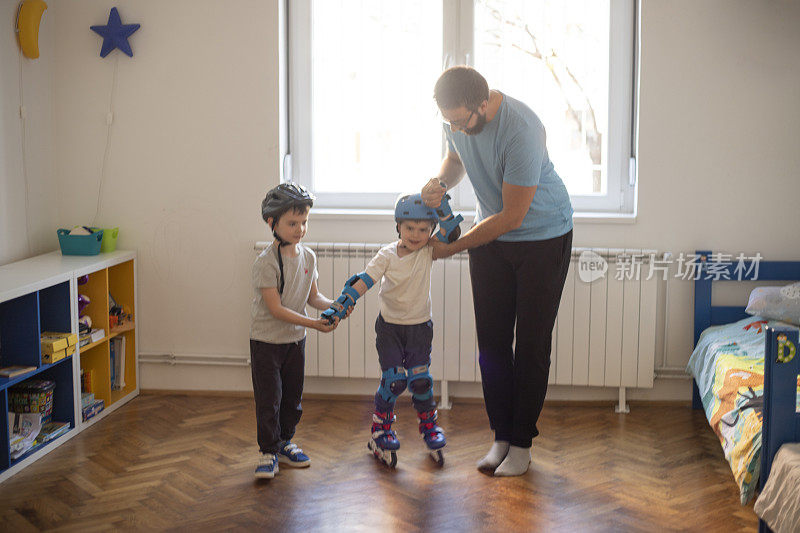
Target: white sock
x: 516, y: 462
x: 495, y: 456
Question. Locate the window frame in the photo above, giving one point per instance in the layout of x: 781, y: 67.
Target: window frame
x: 296, y: 146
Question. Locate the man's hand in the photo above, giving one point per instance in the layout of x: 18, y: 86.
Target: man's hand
x: 433, y: 192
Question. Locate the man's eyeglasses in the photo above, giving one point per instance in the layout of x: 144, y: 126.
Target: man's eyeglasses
x: 460, y: 124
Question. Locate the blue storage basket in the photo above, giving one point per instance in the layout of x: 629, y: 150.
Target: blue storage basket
x: 79, y: 244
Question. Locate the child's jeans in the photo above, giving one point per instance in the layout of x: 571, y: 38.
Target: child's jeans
x: 406, y: 346
x: 278, y: 387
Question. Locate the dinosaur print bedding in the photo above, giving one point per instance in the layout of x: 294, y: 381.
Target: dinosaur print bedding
x: 728, y: 366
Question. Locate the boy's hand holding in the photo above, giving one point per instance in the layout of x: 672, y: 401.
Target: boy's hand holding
x: 322, y: 325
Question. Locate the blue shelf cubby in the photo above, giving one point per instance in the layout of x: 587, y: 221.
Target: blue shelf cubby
x: 22, y: 320
x: 19, y: 331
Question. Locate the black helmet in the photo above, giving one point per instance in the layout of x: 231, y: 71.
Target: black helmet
x: 284, y: 197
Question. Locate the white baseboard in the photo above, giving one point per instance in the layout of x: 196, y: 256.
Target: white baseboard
x: 220, y: 378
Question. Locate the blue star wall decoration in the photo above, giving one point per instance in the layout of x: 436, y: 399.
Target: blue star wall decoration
x: 115, y: 34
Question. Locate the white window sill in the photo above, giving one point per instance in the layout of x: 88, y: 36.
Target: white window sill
x: 322, y: 213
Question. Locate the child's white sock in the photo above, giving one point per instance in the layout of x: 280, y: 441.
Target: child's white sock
x: 516, y: 462
x: 495, y: 456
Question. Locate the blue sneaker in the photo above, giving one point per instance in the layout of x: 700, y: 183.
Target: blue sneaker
x: 290, y: 455
x: 267, y: 466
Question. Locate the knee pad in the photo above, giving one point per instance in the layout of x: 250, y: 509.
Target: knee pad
x: 393, y: 383
x: 420, y: 382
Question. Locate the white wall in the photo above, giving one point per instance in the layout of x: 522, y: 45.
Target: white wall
x: 37, y: 96
x: 193, y: 148
x: 195, y: 145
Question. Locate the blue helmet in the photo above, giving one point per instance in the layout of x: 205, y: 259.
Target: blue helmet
x: 411, y: 207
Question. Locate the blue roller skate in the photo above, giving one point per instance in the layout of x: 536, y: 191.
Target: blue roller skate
x: 384, y: 443
x: 432, y: 434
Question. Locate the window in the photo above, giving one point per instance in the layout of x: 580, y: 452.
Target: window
x: 364, y: 126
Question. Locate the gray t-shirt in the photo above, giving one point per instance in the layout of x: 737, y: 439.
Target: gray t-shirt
x: 298, y: 274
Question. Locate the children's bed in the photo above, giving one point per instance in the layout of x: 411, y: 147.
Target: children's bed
x: 746, y: 375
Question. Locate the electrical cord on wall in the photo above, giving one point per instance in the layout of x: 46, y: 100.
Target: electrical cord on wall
x: 23, y: 115
x: 109, y: 122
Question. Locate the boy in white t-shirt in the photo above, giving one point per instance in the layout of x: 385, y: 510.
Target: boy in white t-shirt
x: 404, y: 327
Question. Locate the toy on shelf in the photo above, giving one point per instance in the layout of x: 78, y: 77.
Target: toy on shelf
x: 84, y: 320
x: 83, y: 303
x: 117, y: 316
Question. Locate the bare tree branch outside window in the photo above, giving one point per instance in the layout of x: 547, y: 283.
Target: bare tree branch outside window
x: 514, y: 31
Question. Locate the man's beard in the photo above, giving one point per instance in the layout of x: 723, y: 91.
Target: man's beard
x: 478, y: 127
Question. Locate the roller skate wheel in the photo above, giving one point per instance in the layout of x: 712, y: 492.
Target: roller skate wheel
x: 389, y: 458
x: 438, y: 457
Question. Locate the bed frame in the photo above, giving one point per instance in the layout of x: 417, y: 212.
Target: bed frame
x: 781, y: 423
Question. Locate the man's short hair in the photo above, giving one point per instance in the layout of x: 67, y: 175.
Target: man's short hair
x: 460, y: 86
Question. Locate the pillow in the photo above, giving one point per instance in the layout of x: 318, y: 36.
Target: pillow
x: 776, y: 303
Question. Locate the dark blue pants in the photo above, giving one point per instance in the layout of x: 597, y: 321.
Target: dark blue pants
x: 278, y: 387
x: 403, y: 346
x: 516, y: 289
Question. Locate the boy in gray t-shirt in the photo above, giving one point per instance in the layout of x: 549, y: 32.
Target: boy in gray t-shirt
x: 284, y: 281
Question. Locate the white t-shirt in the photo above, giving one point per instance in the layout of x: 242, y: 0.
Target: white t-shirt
x: 405, y: 294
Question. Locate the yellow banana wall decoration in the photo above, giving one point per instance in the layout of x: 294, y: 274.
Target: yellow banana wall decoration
x: 28, y: 19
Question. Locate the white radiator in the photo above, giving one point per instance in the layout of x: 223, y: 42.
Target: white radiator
x: 605, y: 332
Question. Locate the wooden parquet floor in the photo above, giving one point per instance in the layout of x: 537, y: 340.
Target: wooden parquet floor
x: 186, y: 463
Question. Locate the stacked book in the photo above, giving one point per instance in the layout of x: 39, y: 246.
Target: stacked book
x: 51, y: 431
x: 92, y: 336
x: 92, y: 410
x: 15, y: 370
x: 87, y: 399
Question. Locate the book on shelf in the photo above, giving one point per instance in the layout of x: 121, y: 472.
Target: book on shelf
x: 51, y: 431
x: 92, y: 410
x: 12, y: 371
x: 23, y: 428
x: 87, y: 380
x: 112, y: 354
x: 87, y: 399
x: 118, y: 363
x: 92, y: 336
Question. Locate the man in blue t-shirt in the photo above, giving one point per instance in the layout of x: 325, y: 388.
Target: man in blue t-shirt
x: 519, y: 251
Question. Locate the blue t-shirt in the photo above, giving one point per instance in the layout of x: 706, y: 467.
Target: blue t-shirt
x: 511, y: 149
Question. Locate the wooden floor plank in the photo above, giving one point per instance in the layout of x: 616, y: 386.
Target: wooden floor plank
x: 186, y: 462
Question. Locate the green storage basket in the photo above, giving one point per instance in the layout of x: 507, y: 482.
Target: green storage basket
x: 79, y: 244
x: 109, y: 242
